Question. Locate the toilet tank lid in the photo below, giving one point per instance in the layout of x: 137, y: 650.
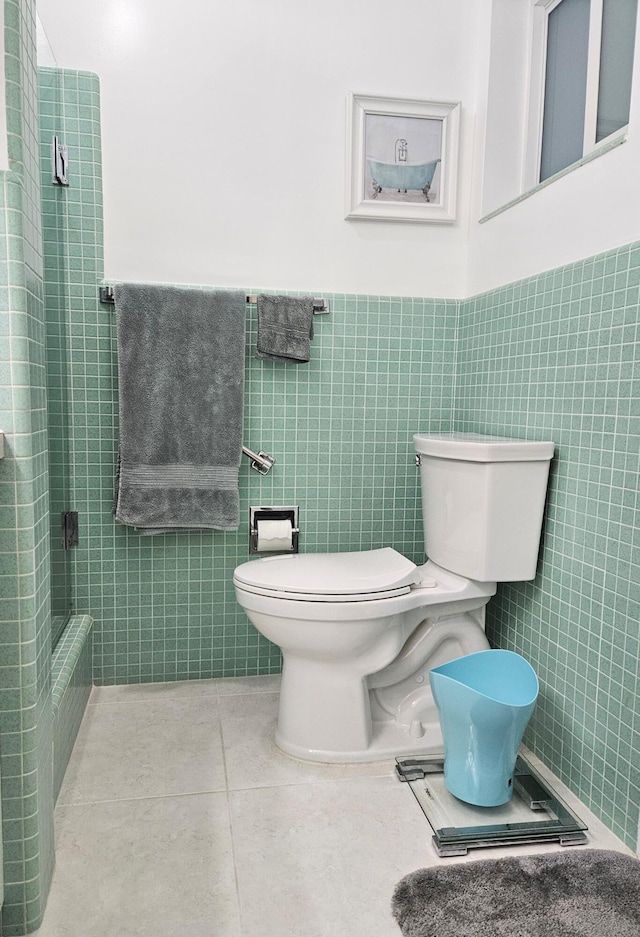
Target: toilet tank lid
x: 476, y: 447
x: 365, y: 571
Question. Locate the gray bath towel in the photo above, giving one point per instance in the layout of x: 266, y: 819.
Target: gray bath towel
x: 181, y: 379
x: 285, y: 327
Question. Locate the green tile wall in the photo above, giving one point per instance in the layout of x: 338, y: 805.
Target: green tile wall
x: 25, y: 688
x: 55, y: 238
x: 556, y: 357
x: 72, y: 247
x: 340, y: 430
x: 69, y: 108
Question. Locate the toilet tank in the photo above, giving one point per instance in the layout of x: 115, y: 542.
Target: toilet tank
x: 482, y: 503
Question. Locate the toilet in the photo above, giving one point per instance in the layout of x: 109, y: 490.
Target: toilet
x: 359, y: 632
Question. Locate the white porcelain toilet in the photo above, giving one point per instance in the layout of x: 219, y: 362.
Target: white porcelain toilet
x: 359, y: 632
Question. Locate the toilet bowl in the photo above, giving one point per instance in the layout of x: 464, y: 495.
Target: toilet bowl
x: 338, y: 703
x: 359, y: 632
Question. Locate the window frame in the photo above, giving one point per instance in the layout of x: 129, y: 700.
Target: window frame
x: 533, y: 149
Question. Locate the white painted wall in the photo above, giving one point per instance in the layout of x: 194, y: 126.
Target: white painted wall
x: 223, y: 138
x: 508, y: 37
x: 46, y: 58
x: 224, y: 131
x: 592, y: 209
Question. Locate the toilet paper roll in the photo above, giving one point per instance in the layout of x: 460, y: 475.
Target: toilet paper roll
x: 274, y: 536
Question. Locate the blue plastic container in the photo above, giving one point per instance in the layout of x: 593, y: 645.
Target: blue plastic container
x: 484, y: 701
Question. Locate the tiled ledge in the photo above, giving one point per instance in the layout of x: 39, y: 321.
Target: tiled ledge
x: 71, y: 682
x: 67, y: 654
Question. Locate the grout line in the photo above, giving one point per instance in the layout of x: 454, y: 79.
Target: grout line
x: 228, y: 792
x: 304, y: 782
x: 216, y: 694
x: 124, y: 800
x: 152, y: 699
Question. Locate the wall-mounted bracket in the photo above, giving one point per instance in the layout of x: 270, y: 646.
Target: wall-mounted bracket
x: 60, y: 162
x: 260, y: 461
x: 69, y: 524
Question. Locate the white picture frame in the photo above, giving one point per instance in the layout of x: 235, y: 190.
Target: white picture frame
x: 401, y: 159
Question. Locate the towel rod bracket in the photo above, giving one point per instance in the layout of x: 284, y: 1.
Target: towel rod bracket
x: 320, y: 306
x: 261, y: 462
x: 265, y: 463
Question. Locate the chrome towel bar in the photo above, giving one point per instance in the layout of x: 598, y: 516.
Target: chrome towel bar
x: 320, y: 306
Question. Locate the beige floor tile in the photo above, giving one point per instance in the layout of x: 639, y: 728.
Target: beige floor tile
x: 145, y: 868
x: 253, y: 759
x: 322, y: 859
x: 144, y: 749
x: 316, y: 850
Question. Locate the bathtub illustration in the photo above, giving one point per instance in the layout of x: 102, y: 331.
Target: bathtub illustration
x: 402, y: 176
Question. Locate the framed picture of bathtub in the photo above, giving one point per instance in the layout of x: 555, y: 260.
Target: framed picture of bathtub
x: 402, y: 159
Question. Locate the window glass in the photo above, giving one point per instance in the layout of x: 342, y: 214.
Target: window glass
x: 616, y: 65
x: 565, y: 86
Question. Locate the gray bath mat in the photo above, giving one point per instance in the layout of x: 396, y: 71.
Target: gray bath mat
x: 577, y: 893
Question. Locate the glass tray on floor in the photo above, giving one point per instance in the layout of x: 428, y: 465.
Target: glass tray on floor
x: 535, y: 813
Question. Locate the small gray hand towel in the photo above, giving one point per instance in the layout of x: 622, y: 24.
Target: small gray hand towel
x: 285, y: 327
x: 181, y: 379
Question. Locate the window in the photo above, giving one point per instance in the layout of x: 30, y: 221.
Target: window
x: 581, y: 82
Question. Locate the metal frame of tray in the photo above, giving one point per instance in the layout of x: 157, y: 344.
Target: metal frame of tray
x: 535, y: 813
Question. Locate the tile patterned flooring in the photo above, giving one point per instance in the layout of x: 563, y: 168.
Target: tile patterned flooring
x: 178, y: 815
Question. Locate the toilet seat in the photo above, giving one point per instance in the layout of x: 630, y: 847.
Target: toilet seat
x: 365, y: 575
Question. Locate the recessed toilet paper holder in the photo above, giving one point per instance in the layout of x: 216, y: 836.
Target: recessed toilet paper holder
x: 287, y: 512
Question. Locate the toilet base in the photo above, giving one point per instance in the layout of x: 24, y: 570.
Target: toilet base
x: 330, y: 714
x: 388, y: 741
